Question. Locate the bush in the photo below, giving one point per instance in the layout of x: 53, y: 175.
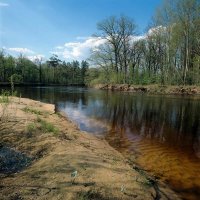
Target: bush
x: 16, y: 78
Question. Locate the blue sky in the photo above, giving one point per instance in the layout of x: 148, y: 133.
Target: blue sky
x: 65, y: 27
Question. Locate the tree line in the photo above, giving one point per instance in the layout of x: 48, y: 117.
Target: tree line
x: 53, y: 71
x: 169, y: 53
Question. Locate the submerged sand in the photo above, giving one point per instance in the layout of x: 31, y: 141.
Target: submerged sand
x: 63, y: 162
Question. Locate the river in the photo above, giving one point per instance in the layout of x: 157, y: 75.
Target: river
x: 159, y: 133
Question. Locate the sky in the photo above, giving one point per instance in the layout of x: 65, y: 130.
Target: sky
x: 39, y: 28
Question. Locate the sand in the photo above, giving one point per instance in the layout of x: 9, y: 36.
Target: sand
x: 63, y: 162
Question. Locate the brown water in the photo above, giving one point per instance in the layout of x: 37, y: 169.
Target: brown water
x: 159, y: 133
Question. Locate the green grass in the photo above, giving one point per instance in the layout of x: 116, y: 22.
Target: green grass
x: 31, y: 127
x: 47, y: 127
x: 32, y: 110
x: 4, y: 97
x: 42, y: 125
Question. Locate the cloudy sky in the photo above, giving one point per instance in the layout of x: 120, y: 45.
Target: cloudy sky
x: 38, y: 28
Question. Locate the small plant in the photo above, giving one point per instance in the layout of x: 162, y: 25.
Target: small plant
x: 31, y: 127
x: 4, y: 101
x: 4, y: 98
x: 47, y: 127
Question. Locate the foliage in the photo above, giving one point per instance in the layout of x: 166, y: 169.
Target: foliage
x: 53, y: 71
x: 4, y: 97
x: 47, y: 127
x: 16, y: 78
x: 168, y: 54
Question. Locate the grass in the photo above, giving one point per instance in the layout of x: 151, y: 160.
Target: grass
x: 42, y: 125
x: 47, y: 127
x: 4, y: 97
x: 31, y: 127
x: 4, y: 101
x: 32, y: 110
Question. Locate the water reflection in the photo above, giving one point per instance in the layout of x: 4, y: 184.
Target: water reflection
x: 162, y: 133
x: 173, y: 121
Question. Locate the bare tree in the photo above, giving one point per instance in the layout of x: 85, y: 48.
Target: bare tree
x: 118, y: 33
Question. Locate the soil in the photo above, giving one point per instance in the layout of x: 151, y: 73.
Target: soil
x: 152, y: 89
x: 45, y: 156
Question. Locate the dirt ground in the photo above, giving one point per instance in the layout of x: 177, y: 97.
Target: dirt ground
x: 152, y: 89
x: 63, y: 162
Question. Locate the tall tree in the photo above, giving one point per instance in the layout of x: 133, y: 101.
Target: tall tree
x: 53, y: 62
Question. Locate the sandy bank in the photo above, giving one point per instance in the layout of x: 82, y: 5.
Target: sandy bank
x: 152, y: 89
x: 63, y: 162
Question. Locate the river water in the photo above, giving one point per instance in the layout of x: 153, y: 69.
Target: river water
x: 160, y: 133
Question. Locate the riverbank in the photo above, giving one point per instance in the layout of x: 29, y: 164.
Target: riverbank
x: 45, y: 156
x: 152, y: 89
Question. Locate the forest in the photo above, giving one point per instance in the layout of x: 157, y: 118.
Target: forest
x: 167, y: 54
x: 53, y: 71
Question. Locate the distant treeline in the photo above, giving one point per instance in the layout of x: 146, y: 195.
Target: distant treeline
x: 53, y: 71
x: 169, y: 53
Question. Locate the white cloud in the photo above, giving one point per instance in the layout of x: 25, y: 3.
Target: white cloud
x: 138, y: 37
x: 156, y: 30
x: 36, y: 57
x: 81, y: 48
x: 28, y: 53
x: 4, y: 4
x: 78, y: 50
x: 20, y: 50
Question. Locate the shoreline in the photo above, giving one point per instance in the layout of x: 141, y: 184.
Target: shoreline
x: 62, y: 162
x: 152, y: 89
x: 189, y: 90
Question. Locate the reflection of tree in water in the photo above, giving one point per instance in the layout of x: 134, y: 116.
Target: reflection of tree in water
x: 173, y: 121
